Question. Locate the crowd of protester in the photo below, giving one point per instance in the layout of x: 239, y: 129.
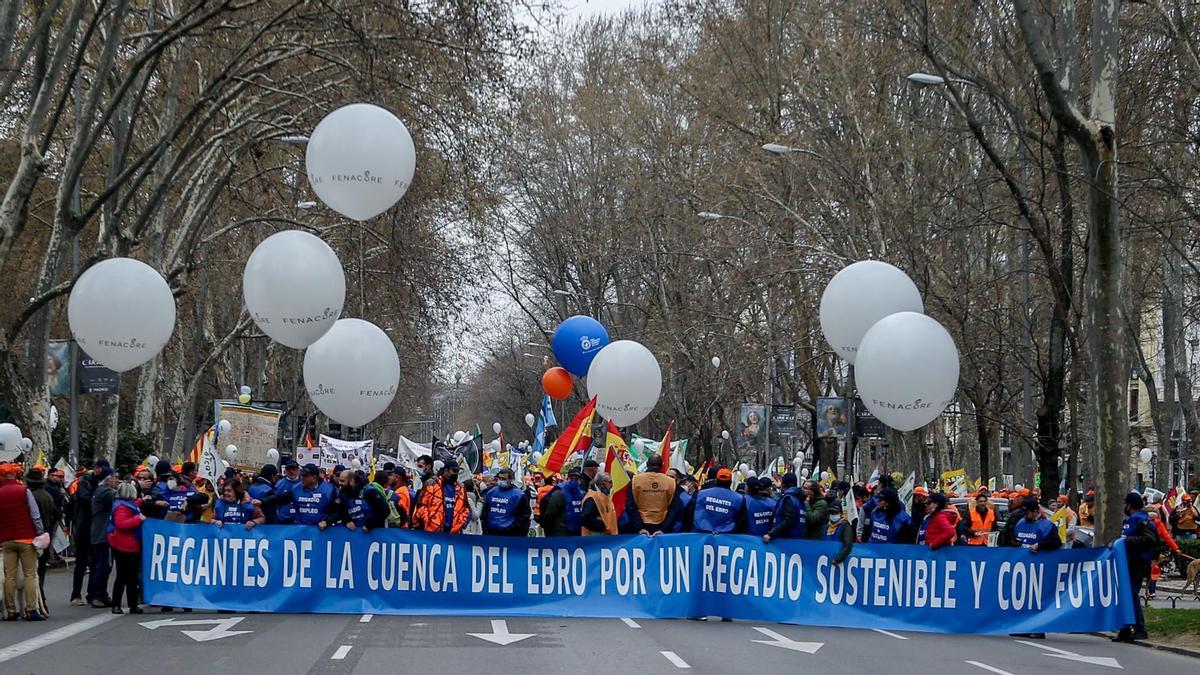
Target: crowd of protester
x: 104, y: 514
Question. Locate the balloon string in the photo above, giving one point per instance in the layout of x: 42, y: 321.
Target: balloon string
x: 362, y: 287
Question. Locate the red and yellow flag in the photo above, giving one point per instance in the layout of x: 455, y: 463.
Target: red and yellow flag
x: 665, y: 448
x: 577, y: 436
x: 612, y: 464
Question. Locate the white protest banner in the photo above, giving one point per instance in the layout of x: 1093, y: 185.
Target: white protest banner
x: 348, y: 451
x: 253, y: 430
x: 308, y: 456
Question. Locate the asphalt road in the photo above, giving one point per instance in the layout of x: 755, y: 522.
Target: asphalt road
x: 85, y: 640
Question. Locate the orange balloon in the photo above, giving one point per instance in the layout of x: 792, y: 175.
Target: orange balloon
x: 556, y: 382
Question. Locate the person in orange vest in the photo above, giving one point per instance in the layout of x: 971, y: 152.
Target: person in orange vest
x: 652, y: 503
x: 599, y: 516
x: 981, y: 521
x: 442, y: 504
x: 1087, y: 509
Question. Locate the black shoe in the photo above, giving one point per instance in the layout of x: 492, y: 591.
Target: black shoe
x: 187, y: 610
x: 1123, y: 635
x: 34, y: 615
x: 1140, y: 636
x: 117, y: 609
x: 166, y: 610
x: 12, y: 616
x: 98, y: 604
x: 136, y: 610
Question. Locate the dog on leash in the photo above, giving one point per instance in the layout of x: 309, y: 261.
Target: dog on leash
x: 1193, y: 578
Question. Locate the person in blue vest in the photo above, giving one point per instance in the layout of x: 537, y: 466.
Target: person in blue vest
x: 262, y: 491
x: 1141, y: 546
x: 179, y: 494
x: 284, y: 487
x: 1035, y: 532
x: 840, y: 530
x: 315, y: 501
x: 574, y: 489
x: 760, y: 507
x: 364, y: 504
x: 718, y: 509
x: 235, y: 507
x: 791, y: 512
x: 889, y: 522
x: 685, y: 492
x: 505, y: 510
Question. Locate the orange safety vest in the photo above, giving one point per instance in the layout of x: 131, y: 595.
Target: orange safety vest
x: 431, y: 511
x: 541, y: 494
x: 653, y: 493
x: 981, y: 524
x: 608, y: 512
x: 73, y: 487
x: 404, y: 502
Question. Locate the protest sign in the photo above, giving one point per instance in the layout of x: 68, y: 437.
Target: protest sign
x: 963, y: 589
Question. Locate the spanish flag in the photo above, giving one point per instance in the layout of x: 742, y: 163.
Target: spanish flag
x: 665, y: 448
x: 577, y: 436
x: 612, y: 464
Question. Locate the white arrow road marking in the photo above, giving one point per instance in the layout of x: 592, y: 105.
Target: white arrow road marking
x: 220, y: 627
x: 990, y: 669
x: 778, y: 640
x: 674, y: 658
x: 500, y: 634
x: 1106, y: 661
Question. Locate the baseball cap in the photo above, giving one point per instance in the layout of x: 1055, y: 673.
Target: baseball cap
x: 920, y: 491
x: 310, y: 470
x: 291, y: 464
x: 724, y: 474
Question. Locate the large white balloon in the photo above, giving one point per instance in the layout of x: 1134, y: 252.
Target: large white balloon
x: 1146, y: 455
x: 10, y: 437
x: 529, y: 419
x: 26, y: 444
x: 294, y: 288
x: 231, y: 451
x: 860, y: 295
x: 907, y: 370
x: 626, y: 380
x: 272, y: 455
x: 121, y: 312
x: 360, y: 160
x: 352, y: 372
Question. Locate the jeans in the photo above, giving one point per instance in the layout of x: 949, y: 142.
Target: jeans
x: 26, y: 555
x: 128, y: 576
x: 83, y: 559
x: 1186, y: 534
x: 98, y: 579
x: 1139, y: 571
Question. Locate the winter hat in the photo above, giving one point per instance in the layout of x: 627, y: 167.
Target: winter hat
x: 268, y: 471
x: 162, y: 468
x: 937, y: 499
x: 789, y: 479
x: 1134, y: 500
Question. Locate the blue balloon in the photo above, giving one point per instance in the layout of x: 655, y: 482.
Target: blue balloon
x: 576, y: 342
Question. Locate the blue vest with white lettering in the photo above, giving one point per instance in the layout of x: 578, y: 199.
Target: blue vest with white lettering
x: 885, y: 530
x: 227, y: 512
x: 574, y: 494
x: 1133, y: 526
x: 921, y: 530
x: 286, y: 513
x: 502, y: 506
x: 760, y: 515
x: 311, y: 505
x: 716, y: 510
x: 360, y: 510
x: 177, y: 498
x: 836, y: 535
x: 685, y: 500
x: 1036, y: 532
x: 796, y: 531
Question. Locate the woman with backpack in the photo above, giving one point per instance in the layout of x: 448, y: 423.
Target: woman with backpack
x: 125, y: 540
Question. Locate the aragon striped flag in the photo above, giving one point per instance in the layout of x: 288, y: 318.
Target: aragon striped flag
x: 577, y: 436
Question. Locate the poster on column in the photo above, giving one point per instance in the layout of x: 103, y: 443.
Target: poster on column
x: 959, y: 589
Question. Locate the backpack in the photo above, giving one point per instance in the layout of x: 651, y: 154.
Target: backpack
x: 394, y: 519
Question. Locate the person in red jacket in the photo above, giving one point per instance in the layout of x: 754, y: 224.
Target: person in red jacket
x: 938, y: 529
x: 125, y: 540
x: 20, y: 523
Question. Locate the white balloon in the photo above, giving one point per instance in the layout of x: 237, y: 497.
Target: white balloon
x: 751, y: 474
x: 152, y: 460
x: 859, y: 296
x: 224, y: 426
x: 743, y: 467
x: 53, y: 418
x: 121, y: 312
x: 804, y: 473
x: 496, y: 427
x: 824, y: 475
x: 224, y: 464
x: 459, y: 436
x: 272, y: 455
x: 716, y: 361
x: 231, y: 451
x: 725, y: 434
x: 294, y: 304
x: 360, y: 160
x: 356, y: 464
x: 529, y: 419
x: 352, y: 372
x: 10, y: 437
x: 1146, y: 455
x: 907, y: 370
x: 244, y: 390
x: 26, y: 444
x: 626, y: 380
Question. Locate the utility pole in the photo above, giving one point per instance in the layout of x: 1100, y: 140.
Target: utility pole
x: 73, y: 415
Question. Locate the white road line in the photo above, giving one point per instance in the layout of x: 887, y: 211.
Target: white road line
x: 341, y: 653
x: 631, y: 623
x: 366, y: 618
x: 45, y: 639
x: 674, y: 658
x: 889, y: 633
x: 990, y: 669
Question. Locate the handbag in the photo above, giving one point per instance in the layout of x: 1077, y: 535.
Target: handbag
x: 42, y: 541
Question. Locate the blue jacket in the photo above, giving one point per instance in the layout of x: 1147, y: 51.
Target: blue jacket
x: 685, y: 503
x: 895, y: 530
x: 1041, y: 532
x: 286, y: 513
x: 505, y: 511
x: 261, y: 489
x: 760, y: 515
x: 574, y: 494
x: 313, y: 506
x: 177, y: 499
x: 791, y: 515
x: 1141, y: 537
x: 233, y: 513
x: 718, y: 510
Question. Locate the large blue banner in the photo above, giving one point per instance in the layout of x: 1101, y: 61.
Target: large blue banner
x: 954, y: 590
